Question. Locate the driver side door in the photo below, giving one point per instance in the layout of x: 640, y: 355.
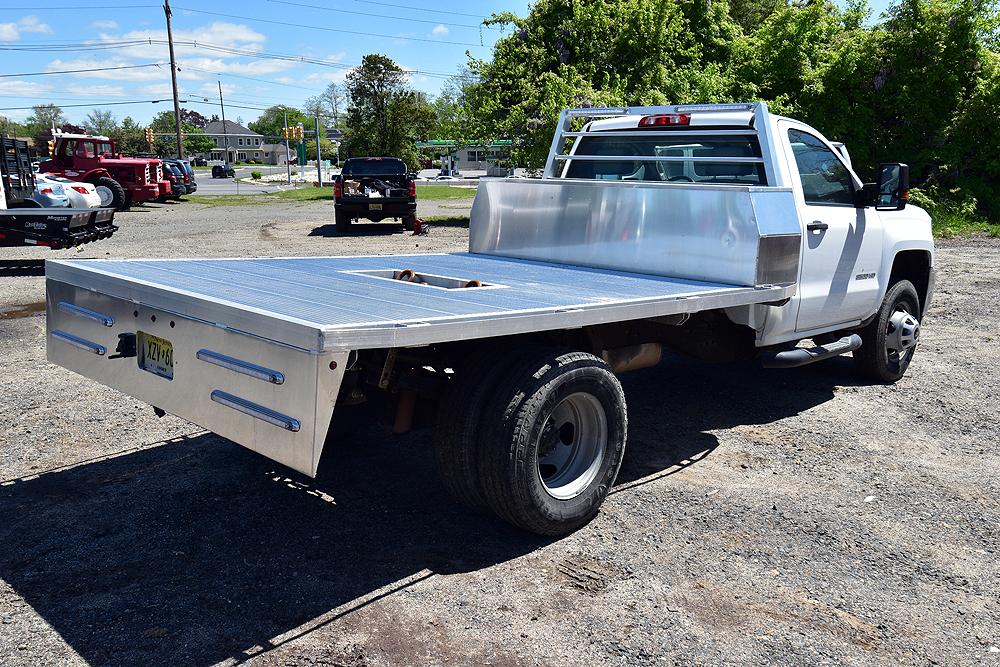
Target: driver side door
x: 841, y: 244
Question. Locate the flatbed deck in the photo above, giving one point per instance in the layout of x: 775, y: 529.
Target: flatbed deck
x: 349, y: 303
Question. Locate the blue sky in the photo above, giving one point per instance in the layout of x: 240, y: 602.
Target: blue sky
x: 429, y: 38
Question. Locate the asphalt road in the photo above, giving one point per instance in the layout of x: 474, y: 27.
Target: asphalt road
x: 798, y: 517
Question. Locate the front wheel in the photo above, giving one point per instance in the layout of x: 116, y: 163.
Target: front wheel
x: 555, y: 438
x: 111, y: 192
x: 409, y: 222
x: 890, y: 340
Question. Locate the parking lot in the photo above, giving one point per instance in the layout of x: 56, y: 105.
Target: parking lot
x: 791, y: 517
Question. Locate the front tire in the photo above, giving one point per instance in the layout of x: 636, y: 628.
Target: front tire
x: 889, y: 341
x: 112, y: 193
x: 556, y: 431
x: 409, y: 222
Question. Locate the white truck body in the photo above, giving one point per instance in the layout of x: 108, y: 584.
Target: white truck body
x: 260, y: 350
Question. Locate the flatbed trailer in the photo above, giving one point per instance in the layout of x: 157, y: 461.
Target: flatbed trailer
x: 567, y: 283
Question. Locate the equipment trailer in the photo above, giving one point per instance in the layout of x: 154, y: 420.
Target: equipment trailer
x: 696, y: 227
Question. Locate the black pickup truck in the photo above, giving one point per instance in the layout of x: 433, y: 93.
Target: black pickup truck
x: 375, y: 188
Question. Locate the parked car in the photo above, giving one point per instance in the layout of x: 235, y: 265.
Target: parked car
x: 186, y: 175
x: 200, y: 162
x: 223, y: 171
x: 80, y: 194
x: 50, y: 195
x: 445, y: 178
x: 173, y: 174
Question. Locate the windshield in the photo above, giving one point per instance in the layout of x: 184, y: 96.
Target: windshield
x: 374, y: 168
x: 682, y: 171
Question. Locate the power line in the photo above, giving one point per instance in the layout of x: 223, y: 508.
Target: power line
x: 313, y: 27
x: 418, y: 9
x: 380, y: 16
x: 106, y: 104
x: 75, y: 71
x: 88, y: 7
x: 247, y: 53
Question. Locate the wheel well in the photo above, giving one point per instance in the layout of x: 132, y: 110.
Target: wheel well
x: 915, y: 266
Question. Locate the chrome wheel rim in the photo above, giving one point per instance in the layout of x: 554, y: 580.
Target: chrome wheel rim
x: 105, y: 194
x: 902, y: 334
x: 572, y: 445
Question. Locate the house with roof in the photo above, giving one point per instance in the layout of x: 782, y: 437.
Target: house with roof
x: 233, y: 142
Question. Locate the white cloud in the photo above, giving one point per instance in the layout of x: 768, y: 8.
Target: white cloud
x: 158, y: 90
x: 139, y: 74
x: 11, y: 32
x: 99, y: 90
x: 104, y: 25
x: 23, y: 88
x: 211, y: 90
x: 440, y: 30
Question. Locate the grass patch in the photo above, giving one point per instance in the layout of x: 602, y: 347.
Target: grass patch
x: 325, y: 193
x: 439, y: 192
x: 949, y: 224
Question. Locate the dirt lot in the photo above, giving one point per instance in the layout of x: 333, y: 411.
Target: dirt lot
x: 761, y: 517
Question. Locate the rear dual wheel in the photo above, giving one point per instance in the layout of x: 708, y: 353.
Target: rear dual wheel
x: 540, y: 440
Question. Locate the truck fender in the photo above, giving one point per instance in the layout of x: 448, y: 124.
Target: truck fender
x: 911, y: 260
x: 93, y: 175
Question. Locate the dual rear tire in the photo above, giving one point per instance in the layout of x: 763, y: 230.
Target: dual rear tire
x: 534, y: 436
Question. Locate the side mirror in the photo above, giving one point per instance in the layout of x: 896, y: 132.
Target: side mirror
x: 893, y: 187
x: 866, y: 196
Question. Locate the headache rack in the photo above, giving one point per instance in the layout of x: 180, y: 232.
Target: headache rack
x: 757, y: 126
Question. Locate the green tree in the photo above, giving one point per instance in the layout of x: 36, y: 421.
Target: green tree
x: 41, y: 121
x: 385, y: 116
x: 572, y: 53
x: 101, y: 122
x: 195, y: 140
x: 11, y: 128
x: 330, y: 105
x: 327, y: 146
x: 271, y: 121
x: 130, y: 137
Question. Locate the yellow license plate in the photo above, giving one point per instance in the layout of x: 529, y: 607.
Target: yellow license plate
x: 156, y: 355
x: 374, y: 207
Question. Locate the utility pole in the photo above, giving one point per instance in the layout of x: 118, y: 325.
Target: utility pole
x: 173, y: 80
x: 225, y: 134
x: 319, y: 156
x: 288, y: 165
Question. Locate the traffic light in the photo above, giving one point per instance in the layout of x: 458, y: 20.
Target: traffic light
x: 284, y: 133
x: 150, y: 138
x: 52, y: 147
x: 299, y: 131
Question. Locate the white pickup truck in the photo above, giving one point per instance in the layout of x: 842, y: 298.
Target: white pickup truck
x: 719, y: 230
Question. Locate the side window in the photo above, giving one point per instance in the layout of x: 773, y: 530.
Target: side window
x: 825, y: 179
x: 68, y: 147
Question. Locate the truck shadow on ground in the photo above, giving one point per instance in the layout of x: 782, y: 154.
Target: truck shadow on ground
x: 196, y: 550
x: 387, y: 228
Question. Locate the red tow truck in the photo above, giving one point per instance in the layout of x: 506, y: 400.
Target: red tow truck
x: 120, y: 181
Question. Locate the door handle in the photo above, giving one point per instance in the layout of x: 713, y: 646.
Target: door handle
x: 817, y: 226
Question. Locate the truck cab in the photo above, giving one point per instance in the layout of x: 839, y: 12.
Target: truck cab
x: 120, y: 181
x: 857, y: 240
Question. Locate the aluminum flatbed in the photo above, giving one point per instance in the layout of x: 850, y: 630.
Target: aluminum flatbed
x: 351, y: 303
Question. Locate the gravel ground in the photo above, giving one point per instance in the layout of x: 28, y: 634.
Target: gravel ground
x: 761, y: 517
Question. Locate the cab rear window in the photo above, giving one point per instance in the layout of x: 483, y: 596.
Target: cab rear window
x: 677, y: 171
x: 374, y: 168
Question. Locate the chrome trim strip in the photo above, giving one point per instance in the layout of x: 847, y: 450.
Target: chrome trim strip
x: 660, y: 158
x: 256, y: 411
x: 81, y: 343
x: 696, y: 130
x: 241, y: 367
x: 73, y: 309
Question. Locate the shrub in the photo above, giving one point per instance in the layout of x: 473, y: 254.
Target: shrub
x: 255, y: 175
